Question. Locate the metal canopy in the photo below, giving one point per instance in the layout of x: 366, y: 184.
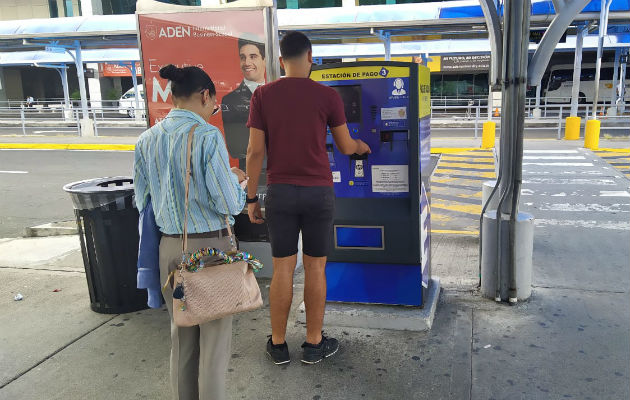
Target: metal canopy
x: 452, y: 18
x: 445, y: 47
x: 36, y: 58
x: 99, y: 31
x: 52, y: 28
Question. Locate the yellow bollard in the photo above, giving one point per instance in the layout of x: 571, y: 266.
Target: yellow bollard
x: 591, y: 136
x: 572, y: 128
x: 488, y: 135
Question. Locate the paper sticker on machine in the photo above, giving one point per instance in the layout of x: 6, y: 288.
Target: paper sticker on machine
x: 390, y: 178
x: 390, y: 113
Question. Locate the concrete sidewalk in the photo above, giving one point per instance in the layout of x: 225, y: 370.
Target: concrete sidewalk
x: 570, y: 340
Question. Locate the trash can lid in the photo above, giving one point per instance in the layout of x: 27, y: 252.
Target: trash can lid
x: 98, y: 192
x: 101, y: 185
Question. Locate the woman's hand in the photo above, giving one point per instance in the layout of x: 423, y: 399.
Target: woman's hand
x: 239, y: 174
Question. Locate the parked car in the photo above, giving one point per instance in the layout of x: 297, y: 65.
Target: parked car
x: 127, y: 102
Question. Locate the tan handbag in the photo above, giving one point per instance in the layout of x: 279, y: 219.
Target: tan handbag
x: 204, y: 290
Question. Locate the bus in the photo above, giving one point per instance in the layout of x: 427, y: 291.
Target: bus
x: 559, y: 84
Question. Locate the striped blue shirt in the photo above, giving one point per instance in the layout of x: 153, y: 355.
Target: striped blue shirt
x: 160, y: 171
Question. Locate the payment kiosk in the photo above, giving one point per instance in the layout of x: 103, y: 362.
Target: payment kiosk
x: 381, y: 241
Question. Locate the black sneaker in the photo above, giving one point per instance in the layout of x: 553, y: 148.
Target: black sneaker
x: 279, y: 353
x: 315, y: 353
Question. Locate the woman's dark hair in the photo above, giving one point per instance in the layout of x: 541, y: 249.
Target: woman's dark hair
x: 294, y: 44
x: 188, y: 80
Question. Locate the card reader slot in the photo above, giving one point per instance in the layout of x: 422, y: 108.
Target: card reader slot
x: 356, y: 156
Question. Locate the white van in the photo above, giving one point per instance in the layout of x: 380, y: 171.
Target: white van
x: 560, y: 84
x: 127, y: 102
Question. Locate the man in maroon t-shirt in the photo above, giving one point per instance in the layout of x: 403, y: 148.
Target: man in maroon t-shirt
x: 288, y: 118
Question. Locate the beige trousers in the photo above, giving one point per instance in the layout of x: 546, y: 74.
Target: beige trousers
x: 199, y: 354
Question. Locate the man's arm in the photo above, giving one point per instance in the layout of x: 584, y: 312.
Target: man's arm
x: 346, y: 144
x: 255, y: 157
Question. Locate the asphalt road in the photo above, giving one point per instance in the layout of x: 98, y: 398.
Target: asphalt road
x: 71, y: 131
x: 530, y: 133
x: 35, y: 195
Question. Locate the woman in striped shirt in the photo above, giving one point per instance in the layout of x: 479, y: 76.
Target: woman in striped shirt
x: 199, y: 354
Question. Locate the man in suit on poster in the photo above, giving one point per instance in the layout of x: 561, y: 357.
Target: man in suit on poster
x: 235, y: 105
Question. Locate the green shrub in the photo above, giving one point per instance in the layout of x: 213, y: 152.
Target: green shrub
x: 112, y: 94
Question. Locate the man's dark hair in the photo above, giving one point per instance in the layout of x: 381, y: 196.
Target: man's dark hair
x: 294, y: 44
x: 244, y: 42
x: 188, y: 80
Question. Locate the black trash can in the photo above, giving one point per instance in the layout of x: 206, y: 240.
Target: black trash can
x: 107, y: 220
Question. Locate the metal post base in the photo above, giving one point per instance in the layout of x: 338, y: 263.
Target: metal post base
x: 524, y: 243
x: 87, y: 127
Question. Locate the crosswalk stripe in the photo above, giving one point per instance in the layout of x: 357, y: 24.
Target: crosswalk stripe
x: 560, y: 164
x: 613, y: 225
x: 450, y: 168
x: 551, y: 151
x: 554, y: 158
x: 474, y: 209
x: 473, y: 177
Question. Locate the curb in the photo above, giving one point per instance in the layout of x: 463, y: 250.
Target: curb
x: 387, y: 317
x: 614, y: 150
x: 67, y: 146
x: 437, y: 150
x: 53, y: 229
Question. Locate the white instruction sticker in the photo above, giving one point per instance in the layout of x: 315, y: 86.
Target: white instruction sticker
x: 390, y: 178
x: 393, y: 113
x: 336, y: 175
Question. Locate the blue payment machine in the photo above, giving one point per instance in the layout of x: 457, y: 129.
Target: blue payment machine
x: 381, y: 249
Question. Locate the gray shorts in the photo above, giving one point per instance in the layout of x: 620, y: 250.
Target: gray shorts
x: 291, y: 209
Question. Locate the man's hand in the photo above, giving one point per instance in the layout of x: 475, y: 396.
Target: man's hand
x: 362, y: 147
x: 255, y: 214
x: 239, y: 174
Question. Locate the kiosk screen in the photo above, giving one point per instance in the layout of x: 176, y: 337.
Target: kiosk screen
x: 351, y: 97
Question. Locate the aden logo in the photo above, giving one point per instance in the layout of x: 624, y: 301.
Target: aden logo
x: 151, y: 32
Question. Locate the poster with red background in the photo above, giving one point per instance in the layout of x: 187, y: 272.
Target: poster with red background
x: 207, y: 39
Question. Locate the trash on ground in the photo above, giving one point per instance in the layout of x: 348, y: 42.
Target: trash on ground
x: 487, y: 346
x: 57, y: 290
x: 18, y: 297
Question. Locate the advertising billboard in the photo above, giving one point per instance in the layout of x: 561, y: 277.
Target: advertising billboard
x: 228, y: 44
x: 115, y: 70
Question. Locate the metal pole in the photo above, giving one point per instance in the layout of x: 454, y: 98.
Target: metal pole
x: 66, y: 90
x: 490, y: 98
x: 537, y: 108
x: 95, y: 124
x: 272, y: 50
x: 387, y: 41
x: 623, y: 73
x: 577, y: 70
x: 23, y: 122
x: 560, y: 123
x: 613, y: 92
x: 76, y: 118
x: 603, y: 27
x: 516, y: 26
x: 63, y: 74
x: 134, y: 78
x: 476, y: 121
x: 79, y: 64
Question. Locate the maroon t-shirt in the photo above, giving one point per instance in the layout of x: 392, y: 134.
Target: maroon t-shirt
x: 293, y: 113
